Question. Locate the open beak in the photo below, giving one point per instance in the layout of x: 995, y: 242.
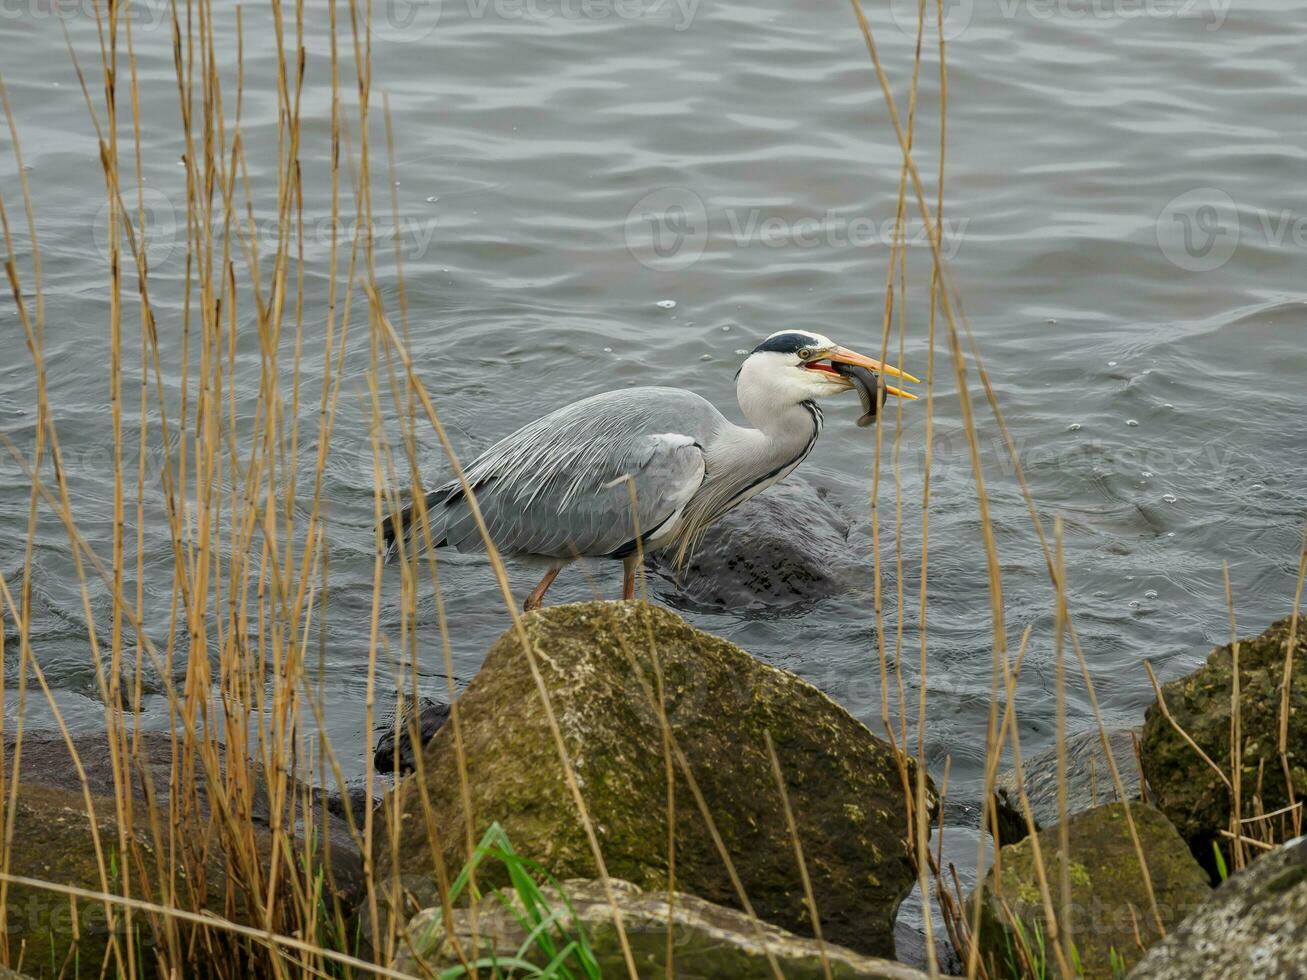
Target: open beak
x: 842, y: 355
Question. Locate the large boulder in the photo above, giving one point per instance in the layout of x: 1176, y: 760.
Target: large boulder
x: 1109, y: 901
x: 1088, y: 781
x: 598, y: 663
x: 1254, y: 927
x: 709, y: 942
x: 1187, y: 789
x: 777, y: 550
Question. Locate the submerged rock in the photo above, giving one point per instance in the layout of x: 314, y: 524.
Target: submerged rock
x: 1188, y: 790
x: 1109, y: 900
x: 598, y: 664
x: 709, y: 942
x: 1254, y: 927
x: 1089, y: 782
x: 778, y: 549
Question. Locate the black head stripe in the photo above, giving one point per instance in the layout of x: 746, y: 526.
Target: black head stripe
x: 789, y: 342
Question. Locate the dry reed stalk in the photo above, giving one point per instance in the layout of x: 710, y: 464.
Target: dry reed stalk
x: 1291, y: 642
x: 1061, y: 928
x: 210, y: 921
x: 1236, y: 729
x: 914, y: 793
x: 1041, y: 875
x: 382, y: 322
x: 657, y: 700
x: 282, y: 600
x: 665, y: 729
x: 808, y: 897
x: 947, y: 306
x: 21, y: 615
x: 933, y: 228
x: 995, y: 579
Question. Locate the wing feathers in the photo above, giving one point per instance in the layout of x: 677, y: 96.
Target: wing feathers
x: 558, y: 487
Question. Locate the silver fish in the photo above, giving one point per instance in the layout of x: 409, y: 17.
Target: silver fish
x: 869, y: 388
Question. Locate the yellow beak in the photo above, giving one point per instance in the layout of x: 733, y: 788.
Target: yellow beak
x: 842, y: 355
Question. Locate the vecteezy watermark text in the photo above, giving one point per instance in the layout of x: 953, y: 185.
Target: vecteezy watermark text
x: 958, y: 14
x: 1201, y: 229
x: 162, y: 228
x: 396, y: 21
x: 669, y: 229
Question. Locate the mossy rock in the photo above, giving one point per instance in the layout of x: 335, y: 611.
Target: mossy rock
x: 46, y: 762
x: 1109, y: 901
x: 709, y: 942
x: 53, y: 842
x: 842, y: 782
x: 1254, y: 926
x: 1188, y: 790
x: 1088, y: 777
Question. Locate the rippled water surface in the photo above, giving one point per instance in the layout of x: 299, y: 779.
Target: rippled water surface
x: 1123, y: 214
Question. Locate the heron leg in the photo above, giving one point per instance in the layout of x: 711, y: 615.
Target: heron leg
x: 536, y: 598
x: 628, y: 578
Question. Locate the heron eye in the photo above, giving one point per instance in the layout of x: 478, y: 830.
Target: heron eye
x: 804, y: 354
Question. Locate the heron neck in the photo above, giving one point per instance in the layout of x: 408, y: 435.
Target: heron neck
x: 779, y: 434
x: 742, y: 461
x: 780, y: 421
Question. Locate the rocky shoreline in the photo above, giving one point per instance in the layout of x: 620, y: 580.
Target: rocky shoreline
x: 631, y: 687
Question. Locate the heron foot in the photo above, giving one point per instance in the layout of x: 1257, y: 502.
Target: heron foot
x: 628, y: 578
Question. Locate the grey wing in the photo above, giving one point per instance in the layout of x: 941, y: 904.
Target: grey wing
x: 561, y: 486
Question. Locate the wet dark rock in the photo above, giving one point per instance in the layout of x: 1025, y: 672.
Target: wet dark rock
x: 1109, y: 900
x: 1089, y: 782
x: 910, y: 949
x: 354, y: 800
x: 354, y: 797
x: 52, y: 842
x: 46, y: 763
x: 711, y: 942
x: 1254, y: 926
x: 1188, y: 790
x: 780, y: 548
x: 431, y: 715
x: 595, y: 660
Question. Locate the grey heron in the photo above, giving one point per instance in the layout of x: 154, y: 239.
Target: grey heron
x: 559, y: 488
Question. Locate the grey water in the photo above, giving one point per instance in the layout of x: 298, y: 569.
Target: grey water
x: 618, y: 192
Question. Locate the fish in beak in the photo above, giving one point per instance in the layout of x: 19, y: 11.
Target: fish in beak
x: 842, y: 355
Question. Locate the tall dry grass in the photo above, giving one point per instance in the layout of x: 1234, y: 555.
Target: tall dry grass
x: 249, y: 576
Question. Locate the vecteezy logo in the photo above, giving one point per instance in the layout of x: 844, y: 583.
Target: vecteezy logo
x: 153, y: 220
x: 957, y: 17
x: 404, y: 21
x: 667, y: 230
x: 1199, y: 230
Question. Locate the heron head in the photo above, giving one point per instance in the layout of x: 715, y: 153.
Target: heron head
x: 794, y: 366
